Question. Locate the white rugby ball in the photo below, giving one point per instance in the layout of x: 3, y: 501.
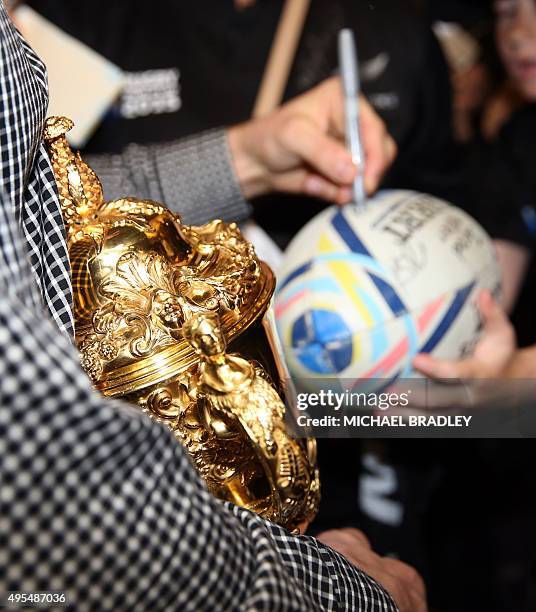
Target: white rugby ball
x: 360, y: 293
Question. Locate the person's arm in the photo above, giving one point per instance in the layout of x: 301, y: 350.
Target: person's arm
x: 113, y: 513
x: 193, y: 176
x: 298, y: 149
x: 103, y: 504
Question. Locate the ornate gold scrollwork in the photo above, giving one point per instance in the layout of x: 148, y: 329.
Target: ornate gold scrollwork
x: 155, y: 303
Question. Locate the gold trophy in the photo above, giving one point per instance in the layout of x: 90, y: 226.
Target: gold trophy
x: 156, y: 303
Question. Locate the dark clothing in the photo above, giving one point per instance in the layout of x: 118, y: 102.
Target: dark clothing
x: 209, y: 60
x: 502, y: 196
x: 503, y: 181
x: 213, y: 54
x: 469, y: 15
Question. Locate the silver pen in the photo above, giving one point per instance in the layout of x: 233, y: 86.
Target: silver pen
x: 349, y: 71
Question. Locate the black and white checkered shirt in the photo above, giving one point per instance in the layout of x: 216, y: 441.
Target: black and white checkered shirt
x: 95, y: 499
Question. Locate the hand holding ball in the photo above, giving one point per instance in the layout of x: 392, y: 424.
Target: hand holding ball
x: 361, y: 292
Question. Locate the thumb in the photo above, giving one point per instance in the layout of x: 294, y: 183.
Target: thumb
x: 493, y: 316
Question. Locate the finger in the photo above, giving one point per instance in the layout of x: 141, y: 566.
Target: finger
x: 330, y: 97
x: 494, y: 318
x: 303, y: 181
x: 409, y: 589
x: 347, y: 541
x: 344, y: 196
x: 443, y: 368
x: 409, y: 597
x: 326, y: 535
x: 356, y: 534
x: 407, y: 573
x: 379, y: 147
x: 318, y: 187
x: 374, y: 173
x: 333, y: 538
x: 326, y: 156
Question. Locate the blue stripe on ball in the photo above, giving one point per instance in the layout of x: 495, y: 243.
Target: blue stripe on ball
x: 457, y: 304
x: 346, y: 232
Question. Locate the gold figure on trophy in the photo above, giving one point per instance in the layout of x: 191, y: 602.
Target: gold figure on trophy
x: 155, y: 304
x: 236, y: 395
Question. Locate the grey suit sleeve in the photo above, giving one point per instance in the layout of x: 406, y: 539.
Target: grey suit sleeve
x: 193, y: 176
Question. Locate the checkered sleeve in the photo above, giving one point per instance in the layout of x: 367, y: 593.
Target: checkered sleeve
x: 334, y: 583
x: 102, y: 503
x: 95, y: 499
x: 193, y: 176
x: 26, y: 176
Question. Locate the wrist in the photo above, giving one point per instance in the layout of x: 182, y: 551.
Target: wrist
x: 250, y: 173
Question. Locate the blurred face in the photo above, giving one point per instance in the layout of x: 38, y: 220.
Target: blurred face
x: 516, y: 41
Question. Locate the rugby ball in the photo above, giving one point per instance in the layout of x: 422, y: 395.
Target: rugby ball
x: 361, y: 292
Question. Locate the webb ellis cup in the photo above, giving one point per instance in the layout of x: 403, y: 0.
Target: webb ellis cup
x: 156, y: 304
